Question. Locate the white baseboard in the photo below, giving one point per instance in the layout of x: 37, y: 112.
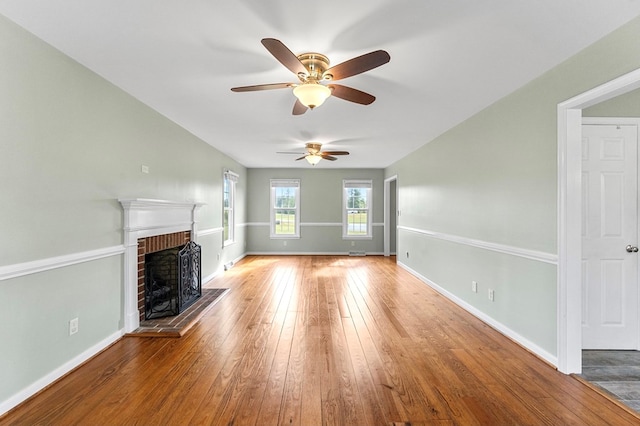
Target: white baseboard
x: 220, y: 269
x: 212, y: 276
x: 239, y: 258
x: 56, y: 374
x: 522, y: 341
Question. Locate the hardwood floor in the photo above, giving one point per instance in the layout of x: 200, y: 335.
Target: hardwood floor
x: 321, y: 340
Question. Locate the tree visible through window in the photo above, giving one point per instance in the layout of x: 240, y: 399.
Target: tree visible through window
x: 357, y: 212
x: 357, y: 204
x: 285, y: 208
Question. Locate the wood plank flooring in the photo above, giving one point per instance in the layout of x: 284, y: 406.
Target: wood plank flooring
x: 321, y: 340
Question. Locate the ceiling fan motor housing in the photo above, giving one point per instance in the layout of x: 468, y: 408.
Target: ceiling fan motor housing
x: 313, y: 148
x: 317, y: 64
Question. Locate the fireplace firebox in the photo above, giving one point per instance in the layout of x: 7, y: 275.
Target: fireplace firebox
x: 173, y: 280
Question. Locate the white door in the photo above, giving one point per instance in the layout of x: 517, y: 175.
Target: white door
x: 609, y: 225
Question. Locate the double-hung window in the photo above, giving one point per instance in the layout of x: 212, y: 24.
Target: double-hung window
x: 285, y: 208
x: 356, y: 211
x: 229, y: 180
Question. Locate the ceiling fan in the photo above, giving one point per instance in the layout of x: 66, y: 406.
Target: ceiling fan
x: 313, y: 68
x: 314, y: 153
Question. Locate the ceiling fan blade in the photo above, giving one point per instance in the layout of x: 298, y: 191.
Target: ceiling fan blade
x: 351, y: 94
x: 284, y: 55
x: 304, y: 156
x: 334, y: 153
x: 327, y: 157
x: 261, y: 87
x: 358, y: 65
x: 299, y: 108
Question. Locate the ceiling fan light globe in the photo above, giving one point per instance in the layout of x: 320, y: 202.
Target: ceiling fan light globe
x: 313, y: 159
x: 311, y: 95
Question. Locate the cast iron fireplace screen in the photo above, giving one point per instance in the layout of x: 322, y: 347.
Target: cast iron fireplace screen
x: 173, y: 281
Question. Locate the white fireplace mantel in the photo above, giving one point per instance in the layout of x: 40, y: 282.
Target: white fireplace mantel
x: 145, y: 218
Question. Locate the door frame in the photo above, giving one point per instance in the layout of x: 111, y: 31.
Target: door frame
x: 387, y: 212
x: 569, y: 288
x: 625, y: 121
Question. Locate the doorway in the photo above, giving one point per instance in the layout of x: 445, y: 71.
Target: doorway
x: 569, y: 280
x: 610, y: 233
x: 390, y: 215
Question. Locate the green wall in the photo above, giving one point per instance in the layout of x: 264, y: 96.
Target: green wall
x: 320, y: 211
x: 71, y: 144
x: 627, y: 105
x: 492, y: 181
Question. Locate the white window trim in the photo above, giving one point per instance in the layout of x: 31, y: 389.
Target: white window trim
x: 357, y: 183
x: 233, y: 180
x: 273, y: 183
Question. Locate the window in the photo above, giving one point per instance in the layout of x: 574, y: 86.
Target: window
x: 228, y: 203
x: 285, y: 208
x: 356, y: 217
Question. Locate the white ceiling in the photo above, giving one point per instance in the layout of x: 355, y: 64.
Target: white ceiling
x: 449, y: 59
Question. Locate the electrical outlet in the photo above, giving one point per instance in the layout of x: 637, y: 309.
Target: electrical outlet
x: 218, y: 256
x: 144, y: 169
x: 353, y: 243
x: 73, y: 326
x: 285, y: 243
x: 491, y: 295
x: 474, y: 286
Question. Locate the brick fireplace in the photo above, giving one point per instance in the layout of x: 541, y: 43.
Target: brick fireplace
x: 152, y: 245
x: 149, y: 226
